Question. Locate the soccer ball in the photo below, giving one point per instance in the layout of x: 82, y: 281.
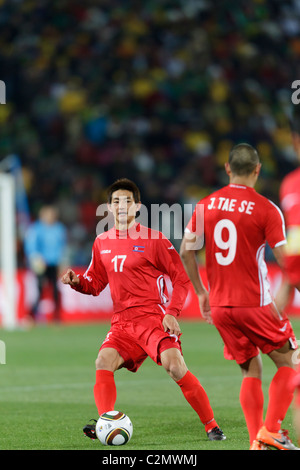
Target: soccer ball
x: 114, y: 428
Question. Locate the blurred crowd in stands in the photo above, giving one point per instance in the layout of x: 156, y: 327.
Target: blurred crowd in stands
x: 155, y: 90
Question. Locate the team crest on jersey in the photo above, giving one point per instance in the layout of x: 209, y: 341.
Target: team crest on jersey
x: 138, y: 248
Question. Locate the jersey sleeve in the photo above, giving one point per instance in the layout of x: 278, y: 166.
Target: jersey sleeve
x: 94, y: 280
x: 275, y: 226
x: 168, y: 261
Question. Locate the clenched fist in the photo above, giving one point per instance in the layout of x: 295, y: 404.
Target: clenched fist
x: 70, y: 278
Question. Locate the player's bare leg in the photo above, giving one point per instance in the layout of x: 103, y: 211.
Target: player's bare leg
x: 192, y: 390
x: 252, y: 367
x: 109, y: 359
x: 173, y: 363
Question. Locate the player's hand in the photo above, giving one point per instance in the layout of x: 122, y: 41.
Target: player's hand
x: 205, y: 307
x: 70, y: 278
x: 171, y: 325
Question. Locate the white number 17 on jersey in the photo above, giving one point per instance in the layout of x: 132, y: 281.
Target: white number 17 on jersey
x: 118, y: 267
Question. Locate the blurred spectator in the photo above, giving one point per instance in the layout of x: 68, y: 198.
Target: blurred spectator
x: 45, y: 245
x: 158, y: 90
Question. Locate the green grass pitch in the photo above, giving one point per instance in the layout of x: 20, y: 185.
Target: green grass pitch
x: 46, y: 392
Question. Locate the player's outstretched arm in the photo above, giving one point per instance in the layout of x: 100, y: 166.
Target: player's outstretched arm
x: 70, y: 278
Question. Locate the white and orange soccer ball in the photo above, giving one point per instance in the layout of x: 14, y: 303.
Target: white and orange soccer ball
x: 114, y: 428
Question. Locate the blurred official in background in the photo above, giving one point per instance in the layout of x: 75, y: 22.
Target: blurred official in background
x: 45, y: 245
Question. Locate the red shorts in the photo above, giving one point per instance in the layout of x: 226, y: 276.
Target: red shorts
x: 136, y: 340
x: 246, y: 330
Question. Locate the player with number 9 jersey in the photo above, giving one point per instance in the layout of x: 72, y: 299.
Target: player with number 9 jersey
x: 237, y: 222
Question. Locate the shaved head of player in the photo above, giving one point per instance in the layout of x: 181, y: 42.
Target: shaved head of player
x: 243, y: 164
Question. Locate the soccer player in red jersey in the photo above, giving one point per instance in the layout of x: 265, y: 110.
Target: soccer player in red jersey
x: 236, y: 222
x: 133, y: 260
x: 290, y: 204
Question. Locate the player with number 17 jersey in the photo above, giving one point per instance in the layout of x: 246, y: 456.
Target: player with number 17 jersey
x: 134, y: 263
x: 133, y: 260
x: 237, y: 222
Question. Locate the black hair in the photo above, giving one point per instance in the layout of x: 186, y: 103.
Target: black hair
x: 125, y: 184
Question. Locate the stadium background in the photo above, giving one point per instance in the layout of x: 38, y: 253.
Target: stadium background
x: 156, y: 91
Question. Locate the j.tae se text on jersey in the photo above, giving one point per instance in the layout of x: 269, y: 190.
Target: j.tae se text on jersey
x: 230, y: 205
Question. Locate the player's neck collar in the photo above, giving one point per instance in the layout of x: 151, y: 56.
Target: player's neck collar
x: 126, y: 232
x: 240, y: 186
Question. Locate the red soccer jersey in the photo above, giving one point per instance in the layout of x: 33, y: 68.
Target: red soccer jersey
x: 290, y: 198
x: 237, y: 223
x: 134, y: 263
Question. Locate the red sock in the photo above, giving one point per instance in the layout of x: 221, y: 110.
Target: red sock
x: 196, y: 396
x: 280, y: 397
x: 105, y: 392
x: 252, y: 403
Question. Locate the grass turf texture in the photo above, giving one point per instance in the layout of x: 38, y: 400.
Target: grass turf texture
x: 46, y: 392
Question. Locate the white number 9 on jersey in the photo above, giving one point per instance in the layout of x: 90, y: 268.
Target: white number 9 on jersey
x: 229, y: 244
